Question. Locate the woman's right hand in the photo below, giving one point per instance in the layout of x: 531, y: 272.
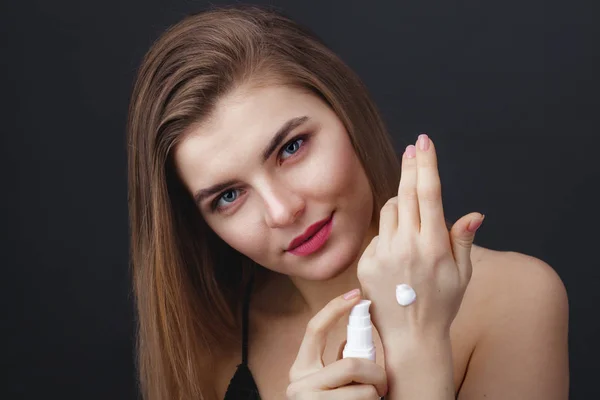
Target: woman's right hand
x: 347, y: 378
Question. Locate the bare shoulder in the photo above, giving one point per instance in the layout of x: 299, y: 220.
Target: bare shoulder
x: 502, y: 279
x: 519, y: 307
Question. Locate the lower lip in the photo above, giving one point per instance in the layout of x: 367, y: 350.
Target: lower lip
x: 315, y: 242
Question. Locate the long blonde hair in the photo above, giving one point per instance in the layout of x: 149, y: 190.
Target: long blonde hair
x: 187, y: 282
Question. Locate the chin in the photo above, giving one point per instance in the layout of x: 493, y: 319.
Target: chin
x: 334, y: 261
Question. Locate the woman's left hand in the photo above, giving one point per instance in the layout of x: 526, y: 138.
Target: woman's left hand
x: 414, y: 247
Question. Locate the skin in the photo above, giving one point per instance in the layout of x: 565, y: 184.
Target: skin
x: 486, y: 324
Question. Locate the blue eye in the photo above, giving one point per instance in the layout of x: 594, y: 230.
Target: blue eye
x: 292, y: 147
x: 228, y: 199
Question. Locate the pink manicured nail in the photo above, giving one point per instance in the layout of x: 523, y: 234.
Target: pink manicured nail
x: 424, y: 142
x: 351, y: 294
x: 411, y: 151
x: 474, y: 225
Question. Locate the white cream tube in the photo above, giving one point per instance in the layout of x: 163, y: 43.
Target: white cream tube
x: 359, y: 342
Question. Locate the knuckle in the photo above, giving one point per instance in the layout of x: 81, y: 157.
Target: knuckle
x: 429, y: 192
x: 314, y: 326
x: 361, y: 273
x: 390, y: 205
x: 353, y: 365
x: 406, y: 253
x: 291, y: 391
x: 439, y: 253
x: 375, y: 240
x: 444, y: 254
x: 434, y: 254
x: 293, y: 374
x: 437, y: 248
x: 407, y: 191
x: 366, y: 275
x: 373, y: 268
x: 404, y: 257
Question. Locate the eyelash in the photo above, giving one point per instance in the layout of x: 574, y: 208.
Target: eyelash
x: 304, y: 138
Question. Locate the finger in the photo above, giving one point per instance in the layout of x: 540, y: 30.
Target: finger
x: 354, y: 392
x: 371, y: 247
x: 341, y: 350
x: 310, y: 354
x: 408, y: 203
x: 429, y: 189
x: 462, y: 243
x: 388, y: 220
x: 344, y: 372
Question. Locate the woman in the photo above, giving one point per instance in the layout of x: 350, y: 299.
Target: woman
x: 262, y: 187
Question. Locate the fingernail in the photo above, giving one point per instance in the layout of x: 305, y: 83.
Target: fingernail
x: 423, y: 142
x: 474, y: 225
x: 411, y: 151
x: 351, y: 294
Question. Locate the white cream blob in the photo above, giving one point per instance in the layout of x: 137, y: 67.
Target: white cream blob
x: 405, y: 295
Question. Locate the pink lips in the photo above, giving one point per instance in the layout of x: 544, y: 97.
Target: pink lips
x: 313, y: 239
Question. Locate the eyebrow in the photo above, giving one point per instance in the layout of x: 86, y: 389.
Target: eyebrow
x: 274, y: 143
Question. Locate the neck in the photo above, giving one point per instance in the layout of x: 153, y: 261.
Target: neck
x: 311, y: 296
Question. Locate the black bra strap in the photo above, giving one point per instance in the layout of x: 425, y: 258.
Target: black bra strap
x: 245, y: 321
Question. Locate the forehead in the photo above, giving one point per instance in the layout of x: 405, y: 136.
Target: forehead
x: 240, y: 126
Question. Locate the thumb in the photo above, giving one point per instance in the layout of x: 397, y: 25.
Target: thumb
x: 462, y: 235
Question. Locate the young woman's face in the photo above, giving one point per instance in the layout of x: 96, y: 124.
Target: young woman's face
x: 278, y: 189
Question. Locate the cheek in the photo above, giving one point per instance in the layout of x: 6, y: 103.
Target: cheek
x: 244, y: 237
x: 337, y: 172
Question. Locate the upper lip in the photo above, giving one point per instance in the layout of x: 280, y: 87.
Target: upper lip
x: 311, y: 230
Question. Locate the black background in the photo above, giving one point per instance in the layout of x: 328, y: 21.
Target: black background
x: 506, y: 90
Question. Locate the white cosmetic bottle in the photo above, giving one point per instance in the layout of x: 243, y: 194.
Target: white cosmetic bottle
x: 359, y: 341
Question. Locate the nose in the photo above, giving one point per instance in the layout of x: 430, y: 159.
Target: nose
x: 283, y: 206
